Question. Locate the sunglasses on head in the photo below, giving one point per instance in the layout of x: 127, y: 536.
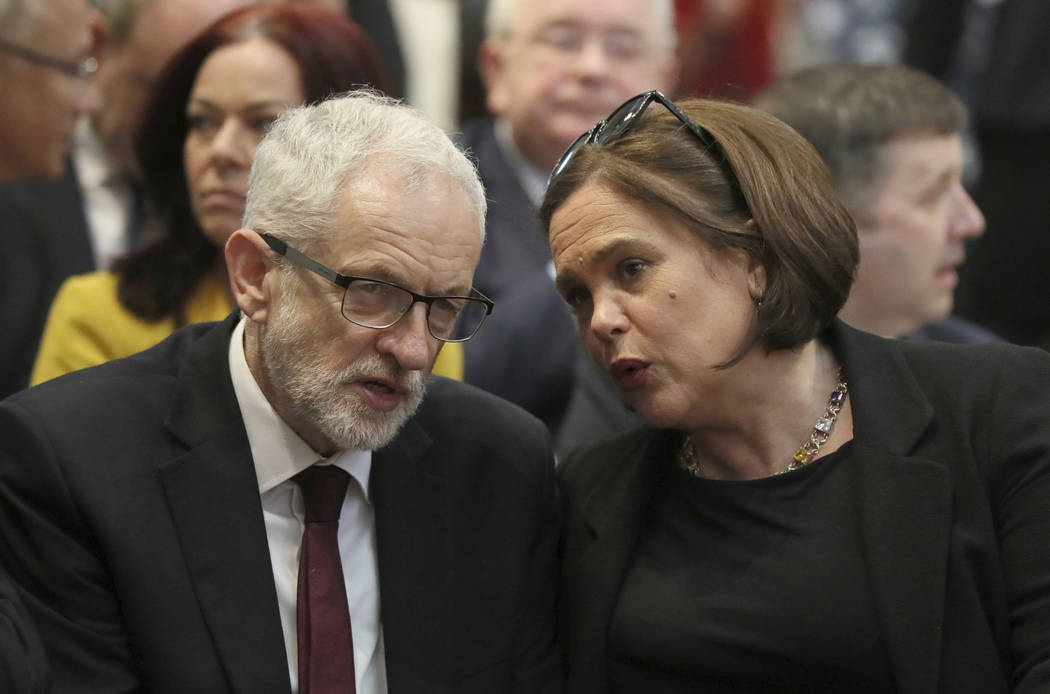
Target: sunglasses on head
x: 622, y: 120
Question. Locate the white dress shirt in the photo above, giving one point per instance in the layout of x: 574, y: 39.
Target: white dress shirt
x: 279, y: 454
x: 532, y: 178
x: 429, y: 40
x: 107, y: 196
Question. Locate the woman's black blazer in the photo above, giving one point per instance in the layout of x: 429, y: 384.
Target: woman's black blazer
x: 950, y: 472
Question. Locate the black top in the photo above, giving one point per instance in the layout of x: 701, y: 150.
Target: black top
x: 752, y: 586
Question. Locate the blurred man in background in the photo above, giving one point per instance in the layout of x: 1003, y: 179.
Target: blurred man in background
x: 84, y: 206
x: 891, y: 136
x: 45, y: 56
x: 552, y: 69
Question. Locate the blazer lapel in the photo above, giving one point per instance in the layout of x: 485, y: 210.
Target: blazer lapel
x: 614, y: 514
x: 416, y: 558
x: 213, y: 497
x: 903, y: 504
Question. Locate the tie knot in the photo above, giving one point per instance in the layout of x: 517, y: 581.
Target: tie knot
x: 323, y: 488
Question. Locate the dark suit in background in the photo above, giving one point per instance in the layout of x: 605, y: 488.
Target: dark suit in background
x: 996, y: 57
x: 375, y: 18
x: 527, y: 350
x: 950, y: 467
x: 516, y: 245
x: 45, y: 239
x: 136, y: 534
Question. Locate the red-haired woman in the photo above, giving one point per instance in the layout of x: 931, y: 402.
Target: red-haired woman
x: 208, y: 111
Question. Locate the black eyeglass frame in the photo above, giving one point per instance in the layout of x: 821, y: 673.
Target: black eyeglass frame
x: 299, y: 258
x: 81, y: 69
x: 616, y: 125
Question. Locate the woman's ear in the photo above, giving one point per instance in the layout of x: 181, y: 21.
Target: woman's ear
x: 756, y: 280
x: 248, y: 263
x: 756, y: 271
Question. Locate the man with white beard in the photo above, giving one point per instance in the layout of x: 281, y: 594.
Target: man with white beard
x: 270, y: 504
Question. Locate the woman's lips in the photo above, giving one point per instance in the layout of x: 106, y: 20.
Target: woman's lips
x: 223, y: 198
x: 629, y: 374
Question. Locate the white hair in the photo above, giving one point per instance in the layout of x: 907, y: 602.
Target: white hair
x: 312, y: 153
x: 500, y: 14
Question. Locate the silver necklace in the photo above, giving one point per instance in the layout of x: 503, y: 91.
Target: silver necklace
x: 688, y: 460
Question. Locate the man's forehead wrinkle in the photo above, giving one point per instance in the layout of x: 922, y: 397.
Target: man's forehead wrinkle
x: 406, y: 256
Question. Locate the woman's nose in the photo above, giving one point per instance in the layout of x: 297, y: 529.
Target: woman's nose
x: 232, y: 144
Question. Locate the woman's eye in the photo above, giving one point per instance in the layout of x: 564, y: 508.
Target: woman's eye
x: 632, y: 268
x: 576, y: 298
x: 200, y: 123
x: 262, y: 123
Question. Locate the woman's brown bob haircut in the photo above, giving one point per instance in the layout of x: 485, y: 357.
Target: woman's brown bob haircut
x: 802, y: 233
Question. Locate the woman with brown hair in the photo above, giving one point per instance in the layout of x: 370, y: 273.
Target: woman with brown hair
x: 808, y: 508
x: 208, y: 111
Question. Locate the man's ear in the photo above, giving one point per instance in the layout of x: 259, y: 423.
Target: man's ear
x: 491, y: 65
x: 248, y: 264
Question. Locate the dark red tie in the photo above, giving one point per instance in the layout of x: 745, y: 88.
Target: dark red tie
x: 326, y: 646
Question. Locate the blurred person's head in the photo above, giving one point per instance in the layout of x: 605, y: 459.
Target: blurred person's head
x: 210, y: 108
x: 142, y: 37
x: 552, y: 68
x: 45, y: 57
x: 684, y: 250
x: 891, y: 136
x: 372, y: 190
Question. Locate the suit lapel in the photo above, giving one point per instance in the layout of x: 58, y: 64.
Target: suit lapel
x: 416, y: 557
x: 903, y: 505
x: 214, y: 501
x: 614, y: 514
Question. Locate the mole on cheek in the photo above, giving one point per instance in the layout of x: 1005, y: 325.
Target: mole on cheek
x: 672, y: 294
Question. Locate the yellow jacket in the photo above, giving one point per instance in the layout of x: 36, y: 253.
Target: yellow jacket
x: 87, y: 325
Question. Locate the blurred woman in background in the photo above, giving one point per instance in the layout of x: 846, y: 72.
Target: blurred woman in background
x: 808, y: 508
x: 208, y: 111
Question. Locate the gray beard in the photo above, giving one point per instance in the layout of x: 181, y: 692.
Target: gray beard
x: 319, y: 396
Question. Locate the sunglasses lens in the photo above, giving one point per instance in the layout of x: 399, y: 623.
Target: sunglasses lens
x: 567, y: 156
x: 623, y: 118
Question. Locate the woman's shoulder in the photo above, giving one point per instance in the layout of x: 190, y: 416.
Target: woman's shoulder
x: 87, y: 325
x: 585, y: 465
x: 90, y: 289
x: 953, y: 368
x: 987, y: 364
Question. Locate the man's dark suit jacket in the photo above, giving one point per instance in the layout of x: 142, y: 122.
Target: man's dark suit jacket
x: 44, y: 239
x: 951, y: 468
x: 527, y: 349
x: 131, y: 519
x: 516, y: 245
x: 22, y: 663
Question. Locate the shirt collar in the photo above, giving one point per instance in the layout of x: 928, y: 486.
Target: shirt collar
x: 532, y: 178
x: 93, y: 167
x: 277, y: 451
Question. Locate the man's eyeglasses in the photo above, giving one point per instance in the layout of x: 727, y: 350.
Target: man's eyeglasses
x: 78, y: 69
x: 377, y: 304
x: 623, y: 119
